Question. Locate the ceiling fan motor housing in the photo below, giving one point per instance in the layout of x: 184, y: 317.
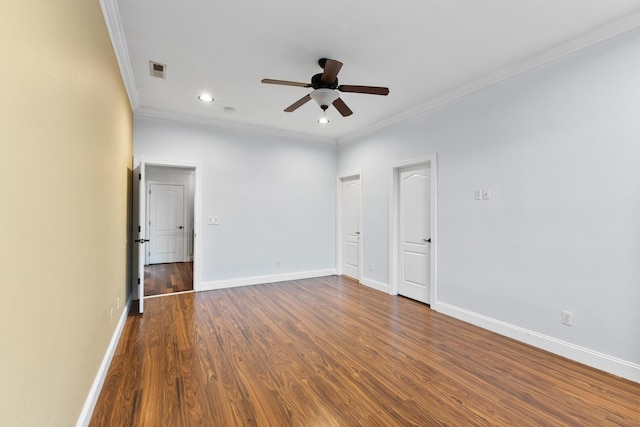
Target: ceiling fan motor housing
x: 317, y: 83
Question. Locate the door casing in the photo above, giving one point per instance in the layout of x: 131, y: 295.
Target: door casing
x: 197, y: 200
x: 339, y: 213
x: 430, y: 161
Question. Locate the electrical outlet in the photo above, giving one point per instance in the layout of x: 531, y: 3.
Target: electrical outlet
x: 277, y: 263
x: 486, y: 193
x: 566, y: 318
x: 371, y: 267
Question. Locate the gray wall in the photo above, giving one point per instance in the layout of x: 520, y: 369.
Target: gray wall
x: 559, y: 147
x: 274, y: 197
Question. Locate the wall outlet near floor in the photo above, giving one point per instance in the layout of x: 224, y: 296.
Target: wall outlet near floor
x: 566, y: 318
x: 277, y: 263
x: 371, y: 267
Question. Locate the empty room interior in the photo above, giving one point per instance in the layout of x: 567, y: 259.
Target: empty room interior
x: 337, y: 214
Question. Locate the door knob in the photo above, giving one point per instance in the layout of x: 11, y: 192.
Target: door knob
x: 180, y: 227
x: 427, y: 240
x: 357, y: 232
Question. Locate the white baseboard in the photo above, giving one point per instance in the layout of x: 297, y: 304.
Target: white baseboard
x: 603, y: 362
x: 96, y: 387
x: 258, y: 280
x: 375, y: 284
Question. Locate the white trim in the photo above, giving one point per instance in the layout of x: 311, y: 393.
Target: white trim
x: 604, y: 362
x: 116, y: 34
x: 383, y: 287
x: 258, y: 280
x: 584, y: 41
x: 339, y: 181
x: 432, y: 161
x: 243, y: 127
x: 101, y: 375
x: 169, y: 294
x: 197, y: 195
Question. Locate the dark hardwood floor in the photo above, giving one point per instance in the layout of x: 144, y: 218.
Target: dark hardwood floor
x: 160, y: 279
x: 330, y: 352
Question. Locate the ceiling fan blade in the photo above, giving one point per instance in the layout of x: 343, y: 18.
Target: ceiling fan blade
x: 342, y: 107
x: 285, y: 83
x: 372, y: 90
x: 299, y: 103
x: 331, y: 70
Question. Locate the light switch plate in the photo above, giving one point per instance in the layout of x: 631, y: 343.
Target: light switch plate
x: 477, y: 194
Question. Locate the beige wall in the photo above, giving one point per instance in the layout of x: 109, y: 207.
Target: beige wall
x: 65, y: 168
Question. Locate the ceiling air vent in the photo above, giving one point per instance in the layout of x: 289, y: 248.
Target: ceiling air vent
x: 157, y: 70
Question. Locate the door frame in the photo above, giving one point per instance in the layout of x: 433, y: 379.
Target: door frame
x: 197, y: 197
x: 339, y: 255
x: 429, y: 160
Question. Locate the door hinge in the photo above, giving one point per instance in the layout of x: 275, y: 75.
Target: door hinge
x: 139, y: 177
x: 138, y: 280
x: 139, y: 229
x: 149, y: 191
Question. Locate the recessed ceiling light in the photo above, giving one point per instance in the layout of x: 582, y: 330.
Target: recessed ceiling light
x: 205, y: 98
x: 229, y: 110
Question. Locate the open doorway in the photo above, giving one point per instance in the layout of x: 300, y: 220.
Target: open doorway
x: 170, y: 229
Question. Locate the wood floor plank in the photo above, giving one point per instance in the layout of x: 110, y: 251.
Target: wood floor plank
x: 331, y: 352
x: 162, y: 279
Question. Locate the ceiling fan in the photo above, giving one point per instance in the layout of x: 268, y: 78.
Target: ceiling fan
x: 326, y: 88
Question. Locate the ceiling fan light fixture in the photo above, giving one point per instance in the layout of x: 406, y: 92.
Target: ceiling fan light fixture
x: 205, y: 98
x: 324, y: 97
x: 327, y: 89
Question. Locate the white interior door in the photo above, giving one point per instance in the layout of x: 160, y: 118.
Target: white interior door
x: 166, y: 223
x: 351, y: 227
x: 414, y: 234
x: 139, y: 233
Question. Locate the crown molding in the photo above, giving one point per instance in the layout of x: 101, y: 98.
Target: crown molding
x: 241, y: 127
x: 599, y: 35
x: 112, y: 20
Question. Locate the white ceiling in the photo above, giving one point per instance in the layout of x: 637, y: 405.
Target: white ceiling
x: 426, y: 51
